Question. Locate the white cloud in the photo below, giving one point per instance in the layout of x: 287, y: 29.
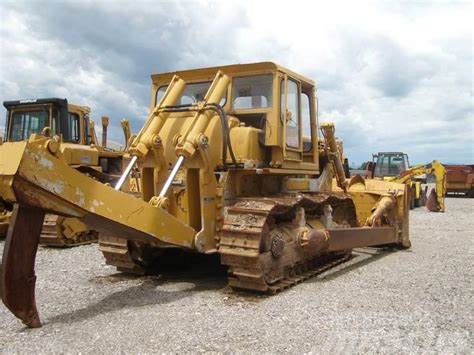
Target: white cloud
x: 392, y: 75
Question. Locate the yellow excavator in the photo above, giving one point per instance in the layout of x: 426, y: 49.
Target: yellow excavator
x: 434, y: 201
x: 224, y: 169
x: 75, y: 133
x: 395, y: 167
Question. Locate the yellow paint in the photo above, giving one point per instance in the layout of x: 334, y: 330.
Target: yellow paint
x: 193, y: 213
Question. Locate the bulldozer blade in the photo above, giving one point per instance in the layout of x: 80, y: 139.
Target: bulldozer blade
x: 17, y: 286
x: 432, y: 202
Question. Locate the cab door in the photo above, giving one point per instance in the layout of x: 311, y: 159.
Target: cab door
x: 290, y: 115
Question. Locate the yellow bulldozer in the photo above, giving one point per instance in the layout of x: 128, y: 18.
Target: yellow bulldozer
x: 395, y: 167
x: 74, y: 132
x: 224, y: 169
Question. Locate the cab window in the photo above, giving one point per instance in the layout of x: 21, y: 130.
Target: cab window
x: 55, y: 122
x: 193, y: 93
x: 382, y: 166
x: 405, y: 161
x: 87, y: 134
x: 251, y: 92
x: 389, y: 165
x: 25, y: 123
x: 74, y: 127
x: 306, y: 121
x: 291, y: 113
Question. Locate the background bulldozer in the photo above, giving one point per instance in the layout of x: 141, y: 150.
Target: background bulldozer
x: 76, y: 139
x: 230, y: 162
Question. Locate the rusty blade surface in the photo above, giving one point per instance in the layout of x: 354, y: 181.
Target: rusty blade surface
x: 432, y: 202
x: 18, y: 264
x: 350, y: 238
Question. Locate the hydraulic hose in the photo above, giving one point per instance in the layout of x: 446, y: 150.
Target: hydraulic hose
x: 225, y: 127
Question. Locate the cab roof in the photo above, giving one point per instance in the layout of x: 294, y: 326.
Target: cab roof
x: 45, y: 101
x: 391, y: 153
x: 30, y: 102
x: 231, y: 70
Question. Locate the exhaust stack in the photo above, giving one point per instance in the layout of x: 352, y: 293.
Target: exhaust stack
x: 105, y: 124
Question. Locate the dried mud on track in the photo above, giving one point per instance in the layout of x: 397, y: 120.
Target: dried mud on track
x: 408, y: 301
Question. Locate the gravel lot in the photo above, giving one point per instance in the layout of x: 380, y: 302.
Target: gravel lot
x: 417, y: 300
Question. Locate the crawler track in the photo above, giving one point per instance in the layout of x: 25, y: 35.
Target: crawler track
x: 128, y: 256
x: 255, y: 262
x: 245, y: 244
x: 311, y: 269
x: 117, y: 253
x: 53, y: 235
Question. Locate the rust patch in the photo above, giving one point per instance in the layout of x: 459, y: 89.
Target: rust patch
x: 18, y: 264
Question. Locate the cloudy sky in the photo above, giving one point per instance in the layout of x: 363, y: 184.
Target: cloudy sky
x: 392, y: 75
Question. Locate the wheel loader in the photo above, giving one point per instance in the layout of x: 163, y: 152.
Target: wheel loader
x: 78, y: 144
x: 225, y: 167
x: 395, y: 167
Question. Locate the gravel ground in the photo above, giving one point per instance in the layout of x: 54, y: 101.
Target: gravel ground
x: 418, y: 300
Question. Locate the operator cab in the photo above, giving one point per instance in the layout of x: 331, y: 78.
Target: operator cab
x: 25, y: 117
x: 388, y: 164
x: 269, y: 104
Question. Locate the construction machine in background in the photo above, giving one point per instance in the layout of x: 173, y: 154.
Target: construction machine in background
x: 344, y: 159
x: 460, y: 180
x: 395, y: 167
x: 74, y: 133
x: 224, y: 169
